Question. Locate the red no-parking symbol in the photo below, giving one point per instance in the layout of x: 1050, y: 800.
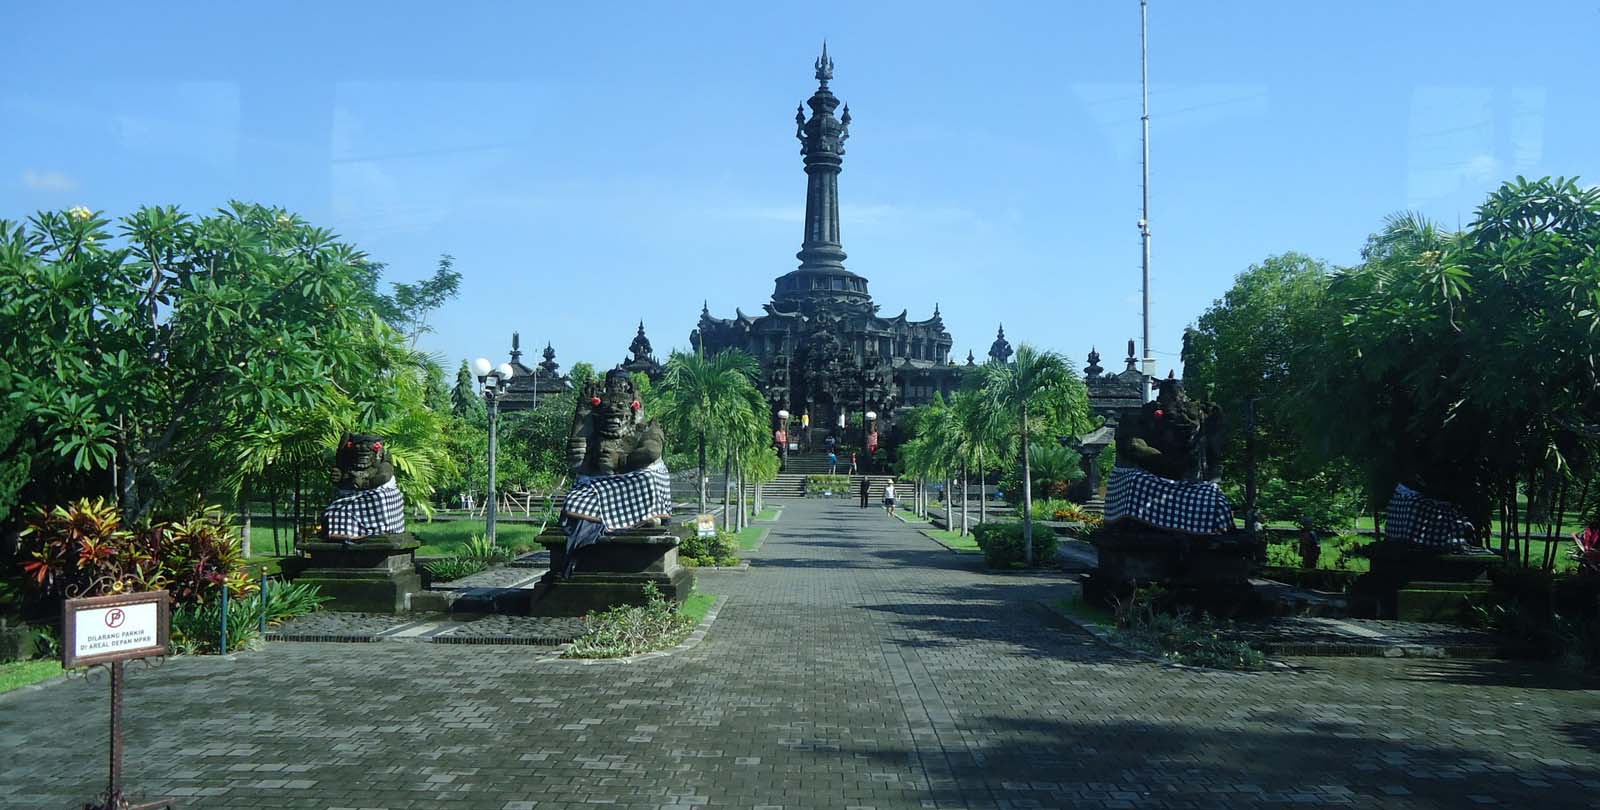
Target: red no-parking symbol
x: 114, y: 617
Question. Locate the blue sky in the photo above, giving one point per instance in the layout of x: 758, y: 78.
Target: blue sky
x: 590, y: 165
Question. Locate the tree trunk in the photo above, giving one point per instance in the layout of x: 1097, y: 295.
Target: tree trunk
x: 702, y: 484
x: 727, y: 474
x: 244, y: 512
x: 277, y: 549
x: 965, y: 526
x: 983, y: 495
x: 744, y: 517
x: 295, y: 533
x: 1027, y: 494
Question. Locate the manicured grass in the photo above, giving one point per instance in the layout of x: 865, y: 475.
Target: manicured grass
x: 909, y: 516
x: 697, y: 604
x: 1085, y: 612
x: 965, y: 545
x: 18, y: 674
x: 751, y: 537
x: 439, y: 539
x: 769, y: 513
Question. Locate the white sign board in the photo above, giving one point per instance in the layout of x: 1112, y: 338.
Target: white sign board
x: 108, y: 628
x: 706, y: 525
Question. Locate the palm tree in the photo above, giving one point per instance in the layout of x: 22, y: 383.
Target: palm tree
x: 703, y: 396
x: 987, y: 437
x: 1023, y: 387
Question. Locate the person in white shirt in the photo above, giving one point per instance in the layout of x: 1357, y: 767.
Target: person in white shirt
x: 888, y: 498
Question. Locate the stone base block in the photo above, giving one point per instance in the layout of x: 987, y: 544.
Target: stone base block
x: 610, y: 573
x: 1419, y: 584
x: 1210, y: 573
x: 1438, y: 601
x: 376, y: 575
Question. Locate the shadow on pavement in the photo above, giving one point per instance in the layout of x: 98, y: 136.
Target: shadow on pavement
x: 1032, y: 763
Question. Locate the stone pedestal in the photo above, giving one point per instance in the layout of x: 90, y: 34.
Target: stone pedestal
x: 1415, y: 583
x: 1210, y: 573
x: 612, y: 572
x: 375, y: 575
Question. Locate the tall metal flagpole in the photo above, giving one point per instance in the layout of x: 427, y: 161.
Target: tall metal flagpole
x: 1144, y: 218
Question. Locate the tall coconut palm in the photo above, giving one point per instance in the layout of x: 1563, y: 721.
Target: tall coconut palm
x: 988, y: 437
x: 1023, y: 388
x: 703, y: 395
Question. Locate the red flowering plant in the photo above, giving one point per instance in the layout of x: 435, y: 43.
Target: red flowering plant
x: 83, y: 549
x: 1588, y: 553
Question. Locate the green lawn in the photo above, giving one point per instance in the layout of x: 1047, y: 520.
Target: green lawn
x: 751, y: 537
x: 965, y: 545
x: 909, y: 516
x: 439, y: 539
x: 18, y: 674
x: 697, y: 604
x: 1085, y: 612
x: 769, y: 513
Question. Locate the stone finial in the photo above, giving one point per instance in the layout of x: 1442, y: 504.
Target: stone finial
x: 640, y: 347
x: 971, y: 361
x: 1001, y: 348
x: 1093, y: 370
x: 824, y: 66
x: 516, y: 347
x: 549, y: 365
x: 1133, y: 359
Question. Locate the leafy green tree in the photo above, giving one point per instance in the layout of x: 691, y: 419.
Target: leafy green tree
x: 465, y: 402
x: 1463, y: 363
x: 707, y: 398
x: 1033, y: 385
x: 1244, y: 349
x: 581, y: 373
x: 159, y: 354
x: 408, y: 307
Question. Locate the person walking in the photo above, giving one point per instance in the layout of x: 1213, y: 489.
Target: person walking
x: 888, y: 498
x: 852, y: 462
x: 833, y: 463
x: 866, y: 485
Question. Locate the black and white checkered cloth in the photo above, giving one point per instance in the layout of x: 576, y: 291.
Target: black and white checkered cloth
x: 1190, y: 507
x: 365, y: 513
x: 622, y: 501
x: 1419, y: 520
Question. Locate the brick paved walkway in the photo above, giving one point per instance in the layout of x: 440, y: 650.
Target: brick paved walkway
x: 856, y: 664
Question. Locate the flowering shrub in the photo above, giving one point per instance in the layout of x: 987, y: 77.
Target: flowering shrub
x: 83, y: 549
x: 1588, y: 553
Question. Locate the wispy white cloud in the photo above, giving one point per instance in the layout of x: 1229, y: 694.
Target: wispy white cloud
x: 45, y: 180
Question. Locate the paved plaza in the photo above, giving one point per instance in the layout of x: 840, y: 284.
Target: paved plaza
x: 855, y: 664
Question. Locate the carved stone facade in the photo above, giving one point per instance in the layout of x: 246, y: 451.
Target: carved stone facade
x: 1111, y: 394
x: 824, y: 349
x: 529, y: 385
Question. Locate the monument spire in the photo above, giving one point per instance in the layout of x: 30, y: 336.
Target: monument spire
x: 822, y: 140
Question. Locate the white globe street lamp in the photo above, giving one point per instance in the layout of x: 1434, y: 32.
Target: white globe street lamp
x: 494, y: 382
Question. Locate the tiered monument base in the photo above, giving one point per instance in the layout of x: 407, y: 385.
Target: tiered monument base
x: 1414, y: 583
x: 375, y: 575
x: 1208, y: 572
x: 612, y: 572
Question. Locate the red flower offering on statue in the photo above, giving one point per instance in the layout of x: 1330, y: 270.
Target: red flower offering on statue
x: 635, y: 405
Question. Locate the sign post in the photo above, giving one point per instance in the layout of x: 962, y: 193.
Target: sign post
x: 706, y: 525
x: 113, y: 630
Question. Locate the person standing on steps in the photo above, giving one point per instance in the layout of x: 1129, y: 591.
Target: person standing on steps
x: 888, y: 498
x: 852, y: 462
x: 833, y: 463
x: 866, y: 484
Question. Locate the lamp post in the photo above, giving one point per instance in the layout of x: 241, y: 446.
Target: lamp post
x: 868, y: 427
x: 783, y: 428
x: 494, y: 381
